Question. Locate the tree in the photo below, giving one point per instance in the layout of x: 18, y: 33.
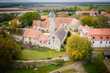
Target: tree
x: 73, y: 8
x: 5, y: 18
x: 13, y: 24
x: 87, y: 20
x: 27, y: 18
x: 9, y: 50
x: 78, y: 48
x: 97, y: 21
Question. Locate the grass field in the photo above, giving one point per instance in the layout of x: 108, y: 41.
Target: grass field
x: 28, y: 54
x: 37, y: 54
x: 95, y: 68
x: 43, y: 69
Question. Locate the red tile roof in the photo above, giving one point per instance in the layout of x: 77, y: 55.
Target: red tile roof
x: 59, y: 20
x: 99, y: 34
x: 36, y: 35
x: 102, y: 31
x: 31, y: 33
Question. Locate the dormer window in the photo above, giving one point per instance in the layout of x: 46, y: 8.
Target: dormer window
x: 101, y: 37
x: 107, y: 38
x: 93, y: 37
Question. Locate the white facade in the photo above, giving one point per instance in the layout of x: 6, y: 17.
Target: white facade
x: 54, y: 43
x: 97, y: 38
x: 35, y: 42
x: 100, y: 43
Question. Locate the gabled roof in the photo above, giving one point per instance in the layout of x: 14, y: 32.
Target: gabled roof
x: 61, y: 33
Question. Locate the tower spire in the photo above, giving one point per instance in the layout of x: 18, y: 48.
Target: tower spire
x: 52, y: 16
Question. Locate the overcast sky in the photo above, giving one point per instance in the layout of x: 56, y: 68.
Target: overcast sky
x: 54, y: 0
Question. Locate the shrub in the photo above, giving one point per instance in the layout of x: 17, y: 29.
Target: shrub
x: 9, y: 49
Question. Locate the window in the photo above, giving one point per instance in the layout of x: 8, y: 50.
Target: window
x: 49, y: 42
x: 93, y: 37
x: 101, y: 42
x: 101, y: 37
x: 53, y: 37
x: 107, y: 38
x: 106, y: 42
x: 93, y: 42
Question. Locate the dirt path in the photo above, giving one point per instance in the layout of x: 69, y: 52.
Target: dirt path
x: 107, y: 64
x: 77, y: 66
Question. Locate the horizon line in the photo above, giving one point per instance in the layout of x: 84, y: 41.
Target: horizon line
x: 53, y: 2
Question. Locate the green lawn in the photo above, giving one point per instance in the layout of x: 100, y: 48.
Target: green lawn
x: 70, y: 71
x: 43, y: 69
x: 47, y: 68
x: 28, y: 54
x: 21, y: 71
x: 95, y: 68
x: 36, y: 54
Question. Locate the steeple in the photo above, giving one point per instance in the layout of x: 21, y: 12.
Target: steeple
x: 52, y: 27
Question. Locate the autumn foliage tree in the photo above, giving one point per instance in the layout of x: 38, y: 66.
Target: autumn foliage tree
x: 14, y: 26
x: 78, y: 48
x: 14, y: 23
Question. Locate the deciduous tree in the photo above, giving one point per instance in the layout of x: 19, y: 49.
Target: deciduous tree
x: 9, y: 50
x: 78, y: 48
x: 27, y: 18
x: 95, y: 21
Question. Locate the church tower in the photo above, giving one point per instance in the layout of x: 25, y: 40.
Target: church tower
x: 52, y: 26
